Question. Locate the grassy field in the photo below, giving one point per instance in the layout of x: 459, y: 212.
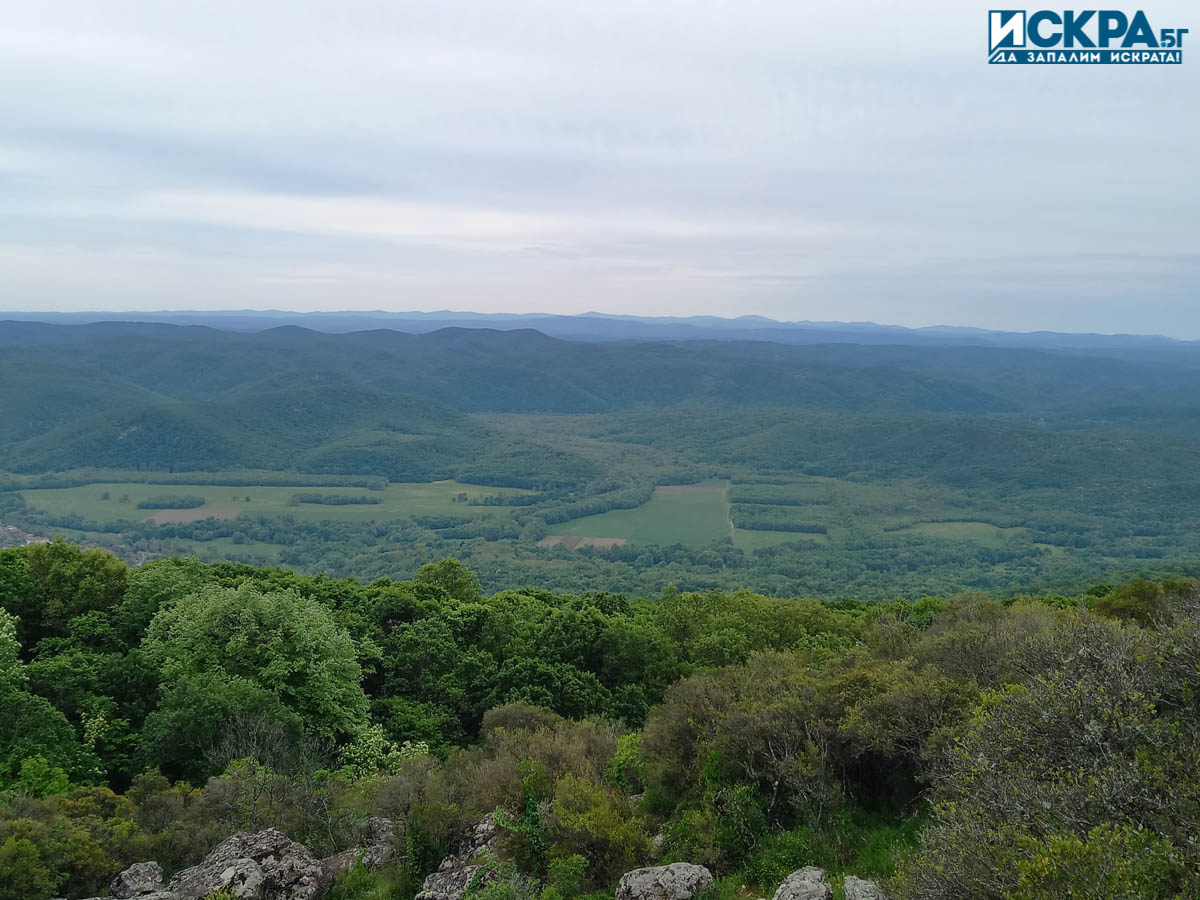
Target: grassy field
x: 691, y: 518
x: 397, y: 500
x: 698, y: 517
x: 979, y: 532
x: 749, y: 540
x: 692, y: 515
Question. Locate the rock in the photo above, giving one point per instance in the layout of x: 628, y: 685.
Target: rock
x: 861, y: 889
x: 136, y: 881
x: 378, y: 830
x: 808, y: 883
x: 678, y: 881
x: 377, y: 847
x: 450, y: 882
x: 266, y: 865
x: 460, y: 869
x: 375, y: 857
x: 483, y: 834
x: 658, y: 844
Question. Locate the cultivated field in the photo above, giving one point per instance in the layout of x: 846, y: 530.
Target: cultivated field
x: 112, y: 501
x: 979, y: 532
x: 669, y: 517
x: 689, y: 514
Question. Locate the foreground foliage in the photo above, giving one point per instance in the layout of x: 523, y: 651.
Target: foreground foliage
x: 1032, y: 748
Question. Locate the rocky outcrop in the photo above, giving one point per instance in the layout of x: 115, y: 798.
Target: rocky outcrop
x: 808, y: 883
x: 861, y: 889
x: 450, y: 882
x: 377, y: 846
x: 678, y: 881
x: 266, y: 865
x: 462, y: 868
x: 138, y: 880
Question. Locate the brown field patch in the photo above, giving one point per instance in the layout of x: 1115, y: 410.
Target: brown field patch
x: 169, y: 516
x: 687, y: 489
x: 573, y: 542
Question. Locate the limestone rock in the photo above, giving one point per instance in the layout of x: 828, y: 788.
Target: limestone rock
x: 678, y: 881
x: 377, y: 847
x: 484, y: 833
x: 861, y: 889
x: 137, y: 881
x: 377, y: 831
x: 459, y: 869
x: 450, y: 882
x: 266, y: 865
x: 808, y: 883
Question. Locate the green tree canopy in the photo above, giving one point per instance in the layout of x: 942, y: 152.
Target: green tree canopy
x: 230, y: 652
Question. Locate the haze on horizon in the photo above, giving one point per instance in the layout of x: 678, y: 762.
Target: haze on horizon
x: 853, y: 162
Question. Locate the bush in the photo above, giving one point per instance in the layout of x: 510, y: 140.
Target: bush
x: 334, y: 499
x: 180, y: 502
x: 599, y: 824
x: 25, y: 877
x: 1112, y: 861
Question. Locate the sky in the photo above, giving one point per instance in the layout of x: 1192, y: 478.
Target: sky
x: 852, y: 161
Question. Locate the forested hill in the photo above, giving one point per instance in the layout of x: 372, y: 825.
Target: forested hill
x: 163, y: 396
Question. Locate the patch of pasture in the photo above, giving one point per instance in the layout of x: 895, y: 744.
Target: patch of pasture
x: 751, y: 539
x: 978, y: 532
x: 113, y: 501
x: 692, y: 518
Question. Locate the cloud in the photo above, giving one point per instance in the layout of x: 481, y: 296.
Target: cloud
x: 853, y: 161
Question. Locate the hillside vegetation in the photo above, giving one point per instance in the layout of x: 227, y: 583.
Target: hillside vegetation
x: 1042, y: 747
x: 848, y: 468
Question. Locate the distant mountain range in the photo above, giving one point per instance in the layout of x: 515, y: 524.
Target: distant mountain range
x: 594, y: 326
x: 384, y: 402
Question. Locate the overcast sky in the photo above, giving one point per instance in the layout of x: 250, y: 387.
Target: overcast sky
x: 853, y: 160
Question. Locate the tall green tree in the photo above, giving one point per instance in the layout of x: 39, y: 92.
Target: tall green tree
x: 229, y: 653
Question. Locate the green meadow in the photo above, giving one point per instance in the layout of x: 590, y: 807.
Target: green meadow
x: 112, y: 501
x: 667, y: 518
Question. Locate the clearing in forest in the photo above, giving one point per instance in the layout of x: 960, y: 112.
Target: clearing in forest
x: 672, y: 516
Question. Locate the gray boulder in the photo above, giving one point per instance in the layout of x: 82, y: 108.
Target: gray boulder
x: 266, y: 865
x: 483, y: 834
x: 451, y: 880
x: 137, y: 881
x: 375, y: 857
x: 808, y: 883
x: 376, y: 848
x: 861, y: 889
x: 460, y: 869
x: 678, y: 881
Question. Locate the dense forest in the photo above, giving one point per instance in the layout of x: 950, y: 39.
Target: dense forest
x: 1018, y: 747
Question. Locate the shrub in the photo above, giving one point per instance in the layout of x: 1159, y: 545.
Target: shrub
x: 181, y: 502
